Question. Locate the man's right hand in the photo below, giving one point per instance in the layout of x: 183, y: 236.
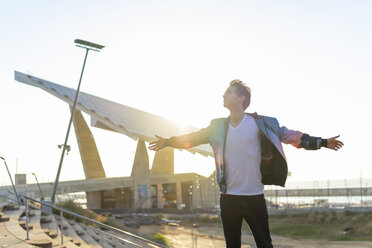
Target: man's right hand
x: 334, y: 144
x: 157, y: 145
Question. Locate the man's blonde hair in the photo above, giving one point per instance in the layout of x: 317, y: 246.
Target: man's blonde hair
x: 242, y: 90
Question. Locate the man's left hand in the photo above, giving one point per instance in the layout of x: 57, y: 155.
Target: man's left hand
x: 334, y: 144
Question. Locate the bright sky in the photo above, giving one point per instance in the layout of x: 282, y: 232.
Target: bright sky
x: 308, y: 64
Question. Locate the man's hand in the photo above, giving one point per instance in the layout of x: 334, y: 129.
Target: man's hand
x: 157, y: 145
x: 334, y: 144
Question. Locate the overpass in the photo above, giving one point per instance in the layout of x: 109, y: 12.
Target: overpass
x: 92, y: 185
x: 204, y: 192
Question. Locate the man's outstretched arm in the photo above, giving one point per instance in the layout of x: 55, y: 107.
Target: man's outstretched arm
x: 303, y: 140
x: 183, y: 141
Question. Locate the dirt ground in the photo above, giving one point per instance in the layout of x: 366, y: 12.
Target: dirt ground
x: 208, y: 235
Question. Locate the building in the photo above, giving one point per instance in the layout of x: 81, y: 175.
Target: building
x: 145, y: 188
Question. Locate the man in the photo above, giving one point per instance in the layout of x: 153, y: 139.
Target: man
x: 248, y: 154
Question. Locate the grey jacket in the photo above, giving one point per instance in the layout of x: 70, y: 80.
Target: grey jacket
x: 273, y: 166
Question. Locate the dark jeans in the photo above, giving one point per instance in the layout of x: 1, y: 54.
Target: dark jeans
x: 253, y: 210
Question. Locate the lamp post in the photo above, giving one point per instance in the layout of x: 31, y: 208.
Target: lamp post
x: 88, y: 46
x: 191, y: 200
x: 37, y: 181
x: 198, y: 186
x: 11, y: 180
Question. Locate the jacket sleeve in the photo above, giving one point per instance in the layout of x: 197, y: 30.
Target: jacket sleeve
x: 190, y: 140
x: 290, y: 137
x: 299, y: 139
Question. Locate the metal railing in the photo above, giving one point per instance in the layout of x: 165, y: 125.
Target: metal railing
x: 107, y: 227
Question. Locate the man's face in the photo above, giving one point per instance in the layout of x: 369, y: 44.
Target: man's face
x: 231, y: 99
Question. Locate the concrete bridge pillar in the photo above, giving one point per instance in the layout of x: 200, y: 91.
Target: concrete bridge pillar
x: 94, y: 200
x: 89, y: 157
x: 141, y: 177
x: 163, y: 162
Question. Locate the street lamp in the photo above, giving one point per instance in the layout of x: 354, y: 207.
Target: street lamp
x: 11, y: 180
x: 198, y: 186
x: 68, y: 148
x: 37, y: 181
x: 191, y: 200
x: 88, y: 46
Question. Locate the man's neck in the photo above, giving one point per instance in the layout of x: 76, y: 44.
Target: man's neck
x: 236, y: 117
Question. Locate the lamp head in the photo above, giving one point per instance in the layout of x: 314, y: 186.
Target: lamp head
x: 88, y: 45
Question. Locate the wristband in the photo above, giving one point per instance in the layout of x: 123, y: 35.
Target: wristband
x: 324, y: 143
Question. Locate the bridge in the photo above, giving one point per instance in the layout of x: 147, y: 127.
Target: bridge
x: 206, y: 195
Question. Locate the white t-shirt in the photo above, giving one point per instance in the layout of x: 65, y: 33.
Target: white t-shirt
x: 243, y: 158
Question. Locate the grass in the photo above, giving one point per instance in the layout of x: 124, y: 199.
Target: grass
x: 160, y: 239
x: 327, y: 226
x: 299, y: 231
x: 73, y: 207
